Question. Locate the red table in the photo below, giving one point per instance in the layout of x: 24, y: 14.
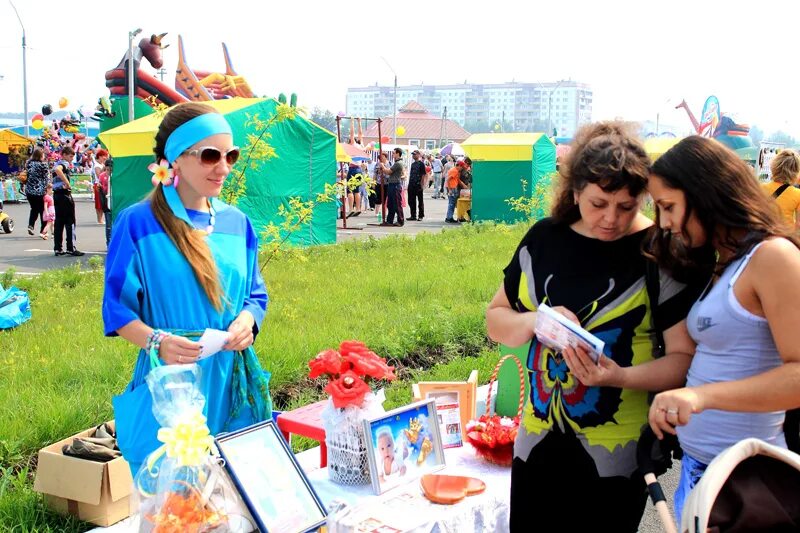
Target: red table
x: 306, y: 421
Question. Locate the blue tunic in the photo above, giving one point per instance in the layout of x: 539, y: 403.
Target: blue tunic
x: 148, y: 279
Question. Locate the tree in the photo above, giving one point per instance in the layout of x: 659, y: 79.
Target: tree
x: 324, y: 118
x: 757, y: 135
x: 782, y: 137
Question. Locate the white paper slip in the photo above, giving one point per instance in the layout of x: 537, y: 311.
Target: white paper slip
x: 558, y: 332
x: 212, y: 341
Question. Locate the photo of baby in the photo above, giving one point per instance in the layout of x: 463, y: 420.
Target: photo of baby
x: 405, y: 444
x: 390, y: 459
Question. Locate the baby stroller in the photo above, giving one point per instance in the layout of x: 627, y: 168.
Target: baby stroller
x: 6, y: 222
x: 751, y: 486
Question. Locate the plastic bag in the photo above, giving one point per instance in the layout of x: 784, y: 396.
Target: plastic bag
x: 15, y: 307
x: 181, y: 487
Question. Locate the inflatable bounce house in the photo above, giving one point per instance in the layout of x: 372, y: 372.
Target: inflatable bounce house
x: 721, y: 127
x: 305, y: 154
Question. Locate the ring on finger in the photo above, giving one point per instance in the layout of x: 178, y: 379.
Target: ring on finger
x: 180, y: 359
x: 672, y: 411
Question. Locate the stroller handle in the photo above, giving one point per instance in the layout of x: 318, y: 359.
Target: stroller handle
x: 644, y: 450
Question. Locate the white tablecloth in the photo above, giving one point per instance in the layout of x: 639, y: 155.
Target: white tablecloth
x: 480, y: 513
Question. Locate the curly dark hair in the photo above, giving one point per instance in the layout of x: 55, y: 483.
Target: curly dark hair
x: 607, y: 154
x: 724, y: 194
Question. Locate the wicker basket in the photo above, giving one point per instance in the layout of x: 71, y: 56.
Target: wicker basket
x: 493, y: 435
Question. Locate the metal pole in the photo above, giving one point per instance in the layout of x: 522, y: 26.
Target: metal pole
x: 24, y: 71
x: 383, y: 188
x: 394, y: 122
x: 131, y: 35
x: 341, y: 170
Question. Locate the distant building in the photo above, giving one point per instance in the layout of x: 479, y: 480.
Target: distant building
x: 526, y: 106
x: 418, y: 128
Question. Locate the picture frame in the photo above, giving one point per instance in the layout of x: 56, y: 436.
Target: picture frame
x: 396, y: 445
x: 272, y: 484
x: 447, y: 394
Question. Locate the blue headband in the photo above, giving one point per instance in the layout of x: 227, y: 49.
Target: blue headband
x: 197, y: 129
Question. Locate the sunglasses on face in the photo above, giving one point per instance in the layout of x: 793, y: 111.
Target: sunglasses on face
x: 209, y: 155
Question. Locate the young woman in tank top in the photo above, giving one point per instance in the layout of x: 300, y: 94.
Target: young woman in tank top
x: 745, y: 373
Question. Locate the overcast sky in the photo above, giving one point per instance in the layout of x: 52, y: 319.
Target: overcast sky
x: 640, y: 57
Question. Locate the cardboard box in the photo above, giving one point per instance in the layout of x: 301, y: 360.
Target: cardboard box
x: 95, y: 492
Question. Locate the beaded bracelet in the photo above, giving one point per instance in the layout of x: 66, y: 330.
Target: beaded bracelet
x: 155, y: 339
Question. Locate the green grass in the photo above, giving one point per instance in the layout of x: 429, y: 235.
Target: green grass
x: 419, y: 302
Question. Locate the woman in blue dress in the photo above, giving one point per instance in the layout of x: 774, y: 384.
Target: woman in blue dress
x: 181, y: 262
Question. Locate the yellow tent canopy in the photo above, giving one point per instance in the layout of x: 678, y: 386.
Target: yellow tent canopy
x: 9, y: 138
x: 656, y: 146
x: 501, y: 146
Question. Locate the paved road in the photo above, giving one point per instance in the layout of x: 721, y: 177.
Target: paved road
x: 30, y: 254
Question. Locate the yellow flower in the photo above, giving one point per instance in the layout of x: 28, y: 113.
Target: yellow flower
x: 161, y: 173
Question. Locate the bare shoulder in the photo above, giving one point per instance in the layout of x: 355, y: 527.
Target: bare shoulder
x: 777, y: 258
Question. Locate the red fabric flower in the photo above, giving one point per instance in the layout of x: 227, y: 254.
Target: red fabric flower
x: 326, y: 362
x: 366, y: 362
x: 374, y: 367
x: 349, y: 389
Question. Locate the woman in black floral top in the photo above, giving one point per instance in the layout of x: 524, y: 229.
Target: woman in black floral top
x: 38, y: 178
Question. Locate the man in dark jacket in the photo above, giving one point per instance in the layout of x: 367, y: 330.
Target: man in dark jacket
x: 416, y: 174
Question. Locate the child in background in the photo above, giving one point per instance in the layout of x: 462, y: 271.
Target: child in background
x: 102, y: 189
x: 49, y: 214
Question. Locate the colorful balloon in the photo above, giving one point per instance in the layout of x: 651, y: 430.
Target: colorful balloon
x: 62, y: 103
x: 385, y: 139
x: 401, y: 131
x: 37, y: 122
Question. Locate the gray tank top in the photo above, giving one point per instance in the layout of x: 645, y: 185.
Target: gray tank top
x: 732, y: 344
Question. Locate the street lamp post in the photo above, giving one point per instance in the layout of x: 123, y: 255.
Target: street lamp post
x: 131, y: 35
x: 550, y: 107
x: 24, y: 70
x: 394, y: 121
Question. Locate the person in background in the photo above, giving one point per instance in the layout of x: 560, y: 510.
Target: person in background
x: 381, y: 171
x: 448, y: 164
x: 428, y: 171
x: 362, y: 189
x: 454, y: 185
x: 49, y: 212
x: 582, y: 420
x: 103, y: 188
x: 64, y: 205
x: 745, y: 373
x: 179, y: 262
x: 96, y: 168
x: 394, y: 197
x: 436, y: 167
x: 416, y: 184
x: 38, y: 178
x: 354, y: 180
x: 785, y: 169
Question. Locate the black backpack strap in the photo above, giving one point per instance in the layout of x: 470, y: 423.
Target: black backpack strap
x: 780, y: 190
x: 652, y: 279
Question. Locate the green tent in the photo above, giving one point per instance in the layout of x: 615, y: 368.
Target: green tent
x: 499, y: 162
x: 305, y: 161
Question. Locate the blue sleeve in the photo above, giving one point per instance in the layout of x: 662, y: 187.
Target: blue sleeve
x: 124, y: 291
x: 256, y: 301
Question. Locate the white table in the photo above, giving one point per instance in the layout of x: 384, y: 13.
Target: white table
x: 488, y: 511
